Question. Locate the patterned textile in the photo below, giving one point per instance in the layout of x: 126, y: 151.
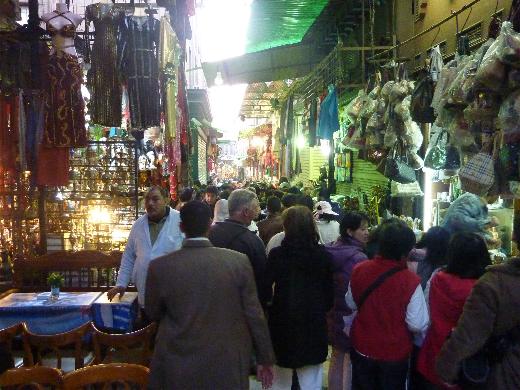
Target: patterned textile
x: 64, y: 106
x: 139, y: 40
x: 168, y: 63
x: 103, y: 78
x: 478, y: 175
x: 9, y: 128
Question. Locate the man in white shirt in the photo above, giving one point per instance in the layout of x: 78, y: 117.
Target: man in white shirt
x: 154, y: 234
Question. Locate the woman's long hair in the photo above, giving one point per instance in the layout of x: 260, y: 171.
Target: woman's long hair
x: 299, y: 227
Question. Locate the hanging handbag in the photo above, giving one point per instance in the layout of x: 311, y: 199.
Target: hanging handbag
x: 436, y: 156
x: 478, y: 175
x: 397, y: 167
x: 422, y: 96
x: 452, y: 158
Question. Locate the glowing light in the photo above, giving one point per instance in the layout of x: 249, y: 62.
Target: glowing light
x: 428, y: 201
x: 300, y: 142
x: 257, y: 142
x: 98, y: 215
x: 325, y: 148
x: 222, y: 29
x: 119, y: 235
x: 218, y: 79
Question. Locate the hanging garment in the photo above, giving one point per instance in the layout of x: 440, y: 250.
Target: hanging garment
x: 168, y: 62
x: 64, y: 105
x: 53, y: 166
x: 328, y: 118
x: 103, y: 78
x: 34, y: 114
x: 139, y: 40
x: 313, y: 120
x: 9, y: 123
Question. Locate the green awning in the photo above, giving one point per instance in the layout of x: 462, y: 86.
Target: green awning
x: 279, y: 63
x: 276, y: 23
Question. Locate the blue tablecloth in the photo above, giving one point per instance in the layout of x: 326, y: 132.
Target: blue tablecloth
x: 72, y: 309
x: 44, y: 316
x: 118, y: 314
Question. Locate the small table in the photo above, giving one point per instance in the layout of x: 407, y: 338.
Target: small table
x: 72, y: 309
x: 45, y: 316
x: 117, y: 315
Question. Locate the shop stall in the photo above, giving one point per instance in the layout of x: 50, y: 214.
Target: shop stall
x: 84, y: 127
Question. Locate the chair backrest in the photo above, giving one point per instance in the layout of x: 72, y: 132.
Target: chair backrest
x: 57, y: 344
x: 31, y: 378
x: 85, y: 270
x: 7, y: 335
x: 127, y: 375
x: 126, y: 346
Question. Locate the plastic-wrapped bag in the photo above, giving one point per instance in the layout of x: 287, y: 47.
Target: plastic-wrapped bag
x: 455, y: 94
x: 385, y: 90
x: 509, y: 51
x: 376, y: 120
x: 390, y: 138
x: 369, y: 107
x: 436, y: 63
x: 509, y: 114
x: 446, y: 77
x: 402, y: 109
x: 492, y: 70
x: 354, y: 107
x: 399, y: 91
x: 413, y: 137
x: 460, y: 134
x: 513, y: 79
x: 470, y: 86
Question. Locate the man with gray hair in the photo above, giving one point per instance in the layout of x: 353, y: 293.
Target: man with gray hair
x: 233, y: 234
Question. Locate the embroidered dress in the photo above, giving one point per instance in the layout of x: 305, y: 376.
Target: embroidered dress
x: 64, y: 106
x: 103, y: 79
x: 139, y: 40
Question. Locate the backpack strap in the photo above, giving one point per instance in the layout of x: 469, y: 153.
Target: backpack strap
x: 378, y: 282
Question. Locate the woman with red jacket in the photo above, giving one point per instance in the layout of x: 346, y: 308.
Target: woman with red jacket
x: 386, y: 319
x: 468, y: 258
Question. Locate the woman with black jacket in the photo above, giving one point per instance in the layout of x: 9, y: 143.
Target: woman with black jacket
x: 300, y: 274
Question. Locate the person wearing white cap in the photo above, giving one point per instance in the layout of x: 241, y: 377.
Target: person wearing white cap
x: 328, y: 227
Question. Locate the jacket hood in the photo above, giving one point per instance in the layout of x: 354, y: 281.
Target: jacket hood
x: 451, y: 290
x: 511, y: 267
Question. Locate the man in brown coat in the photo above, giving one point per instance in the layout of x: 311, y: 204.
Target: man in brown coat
x: 273, y: 224
x: 492, y: 309
x: 209, y: 315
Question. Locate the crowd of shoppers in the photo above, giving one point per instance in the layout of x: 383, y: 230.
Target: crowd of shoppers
x: 307, y: 279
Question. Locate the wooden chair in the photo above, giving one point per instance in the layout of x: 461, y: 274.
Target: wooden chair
x: 135, y: 347
x: 31, y: 378
x: 7, y: 337
x: 85, y: 270
x: 128, y: 376
x: 51, y: 350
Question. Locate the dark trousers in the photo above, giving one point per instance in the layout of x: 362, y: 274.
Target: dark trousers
x: 370, y: 374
